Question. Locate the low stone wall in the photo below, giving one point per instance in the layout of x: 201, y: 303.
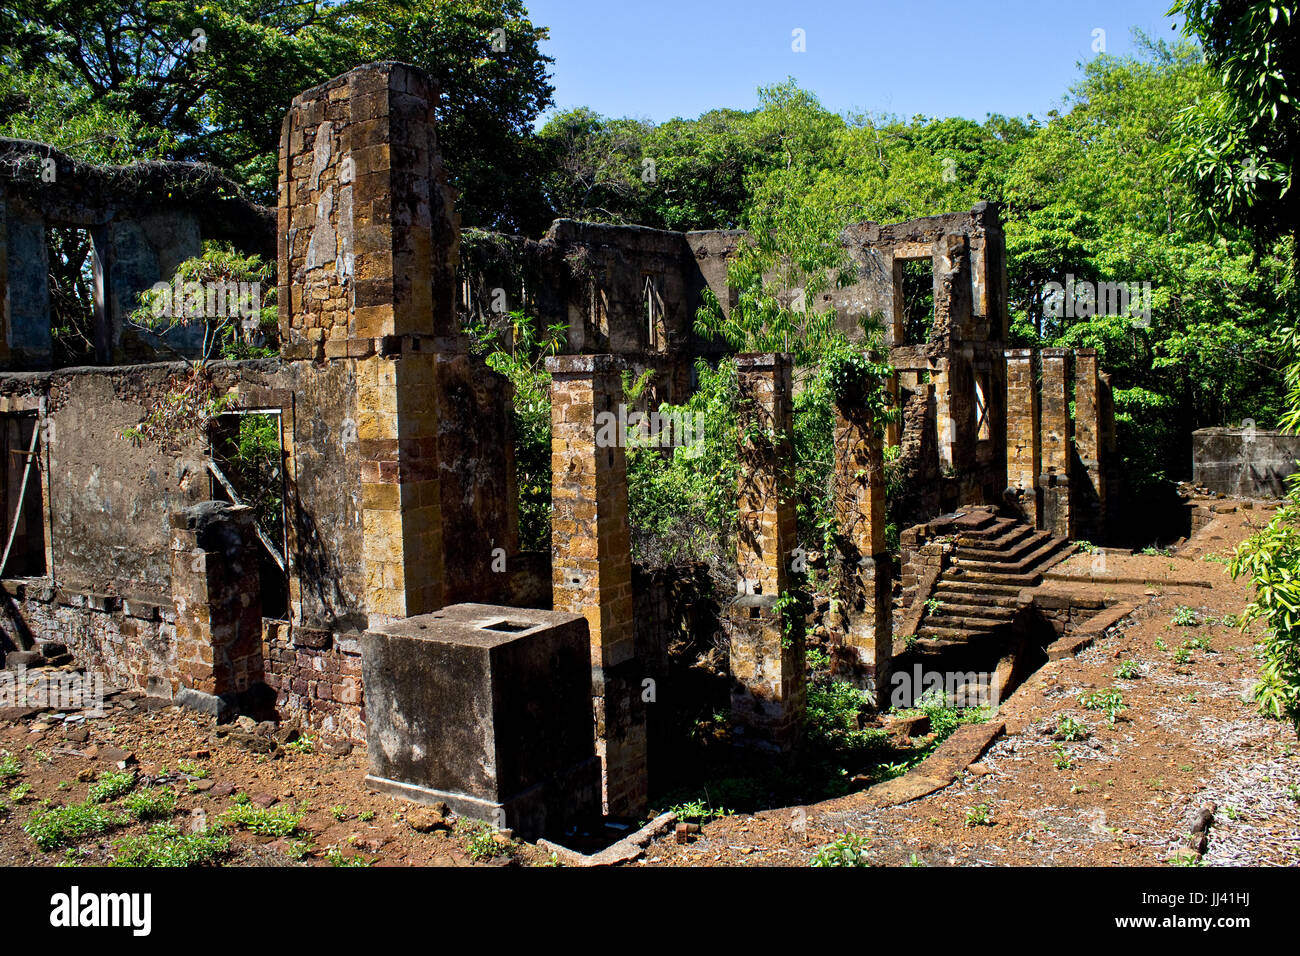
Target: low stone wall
x: 1244, y: 462
x: 316, y: 677
x: 131, y: 643
x: 1063, y: 611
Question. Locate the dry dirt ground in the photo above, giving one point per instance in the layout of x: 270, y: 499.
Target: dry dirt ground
x: 1126, y: 794
x: 341, y: 822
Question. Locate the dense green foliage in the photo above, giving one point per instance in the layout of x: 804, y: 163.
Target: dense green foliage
x: 227, y: 333
x: 518, y: 349
x: 1271, y: 561
x: 1244, y: 135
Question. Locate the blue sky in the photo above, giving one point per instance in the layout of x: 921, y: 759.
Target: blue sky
x: 656, y: 59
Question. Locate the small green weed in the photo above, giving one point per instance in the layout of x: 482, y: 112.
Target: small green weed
x: 272, y: 821
x: 166, y: 845
x: 847, y: 850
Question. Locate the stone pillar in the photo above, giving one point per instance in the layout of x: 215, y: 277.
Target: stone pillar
x: 216, y: 592
x: 1054, y: 441
x: 768, y: 670
x: 367, y: 254
x: 1089, y: 505
x: 894, y: 430
x: 765, y: 497
x: 859, y: 487
x: 1023, y: 456
x: 591, y: 561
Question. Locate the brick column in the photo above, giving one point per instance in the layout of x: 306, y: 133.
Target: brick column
x: 1023, y: 456
x: 866, y: 564
x: 591, y: 560
x: 367, y: 255
x: 764, y: 496
x: 768, y: 671
x: 1089, y: 505
x: 216, y: 591
x: 1054, y: 440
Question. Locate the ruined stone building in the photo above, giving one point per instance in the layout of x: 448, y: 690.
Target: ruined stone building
x: 399, y: 499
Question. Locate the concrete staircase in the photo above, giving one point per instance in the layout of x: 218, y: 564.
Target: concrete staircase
x: 994, y: 558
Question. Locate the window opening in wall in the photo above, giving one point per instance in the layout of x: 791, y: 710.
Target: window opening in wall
x: 654, y: 315
x: 20, y: 486
x: 983, y: 430
x: 247, y: 467
x: 917, y: 281
x: 72, y: 295
x: 599, y: 304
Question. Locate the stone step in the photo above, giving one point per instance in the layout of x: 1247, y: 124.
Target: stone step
x: 945, y: 594
x: 999, y: 530
x: 966, y: 618
x: 1016, y: 533
x: 1027, y: 565
x: 959, y: 586
x: 16, y: 660
x: 1002, y: 577
x: 974, y: 521
x: 934, y: 644
x: 1010, y: 554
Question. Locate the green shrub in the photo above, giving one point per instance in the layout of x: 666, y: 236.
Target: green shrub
x: 1067, y: 728
x: 109, y: 786
x: 699, y: 810
x: 10, y: 767
x: 1128, y: 670
x: 1111, y: 702
x: 945, y: 718
x: 151, y: 804
x: 483, y: 843
x: 832, y: 716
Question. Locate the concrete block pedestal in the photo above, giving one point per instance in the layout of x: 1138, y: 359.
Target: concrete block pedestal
x: 487, y: 709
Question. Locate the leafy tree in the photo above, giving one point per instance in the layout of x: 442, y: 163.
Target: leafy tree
x: 220, y: 95
x: 1241, y: 140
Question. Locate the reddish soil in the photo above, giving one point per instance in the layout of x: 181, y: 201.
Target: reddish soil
x: 60, y: 769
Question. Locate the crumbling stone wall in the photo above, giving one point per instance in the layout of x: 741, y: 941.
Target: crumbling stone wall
x: 766, y: 640
x: 367, y: 259
x: 632, y: 291
x: 961, y: 361
x: 143, y: 220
